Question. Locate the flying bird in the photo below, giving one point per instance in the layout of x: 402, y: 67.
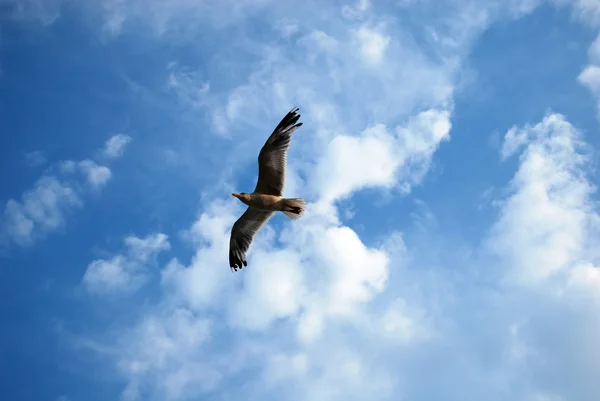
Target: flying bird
x: 267, y: 198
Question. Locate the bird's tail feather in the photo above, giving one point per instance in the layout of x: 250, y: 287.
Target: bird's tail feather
x: 293, y: 207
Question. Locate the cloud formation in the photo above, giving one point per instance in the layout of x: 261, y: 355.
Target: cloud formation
x: 115, y: 145
x: 44, y: 208
x: 41, y: 209
x: 125, y: 272
x: 379, y: 159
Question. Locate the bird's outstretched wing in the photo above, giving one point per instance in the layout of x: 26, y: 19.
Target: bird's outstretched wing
x: 242, y: 232
x: 272, y: 159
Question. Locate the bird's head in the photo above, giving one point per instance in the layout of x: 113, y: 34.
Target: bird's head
x: 244, y: 197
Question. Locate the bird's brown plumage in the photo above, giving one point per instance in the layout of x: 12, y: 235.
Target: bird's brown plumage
x: 243, y: 232
x: 272, y: 163
x: 272, y: 159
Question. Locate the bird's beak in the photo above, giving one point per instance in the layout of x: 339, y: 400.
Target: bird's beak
x: 236, y: 195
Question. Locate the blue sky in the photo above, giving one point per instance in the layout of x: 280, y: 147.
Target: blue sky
x: 448, y: 154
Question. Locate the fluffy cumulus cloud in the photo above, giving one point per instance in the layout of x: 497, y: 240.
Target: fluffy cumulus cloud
x: 378, y: 158
x: 323, y: 311
x: 321, y: 279
x: 372, y: 44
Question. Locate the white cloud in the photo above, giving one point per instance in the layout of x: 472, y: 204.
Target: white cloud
x: 125, y: 272
x: 44, y: 208
x: 357, y: 11
x: 590, y: 77
x: 143, y: 249
x: 357, y: 272
x: 41, y: 210
x: 358, y: 162
x: 326, y: 64
x: 594, y: 51
x: 115, y: 145
x: 586, y: 10
x: 112, y: 275
x: 200, y: 284
x: 168, y: 349
x: 96, y: 175
x: 379, y: 159
x: 543, y: 240
x: 276, y: 290
x: 372, y: 44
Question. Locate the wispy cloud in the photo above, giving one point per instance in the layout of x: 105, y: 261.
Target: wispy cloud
x: 548, y: 238
x: 115, y: 145
x: 125, y: 272
x: 44, y: 208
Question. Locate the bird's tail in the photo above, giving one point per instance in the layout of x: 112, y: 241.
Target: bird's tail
x: 293, y: 207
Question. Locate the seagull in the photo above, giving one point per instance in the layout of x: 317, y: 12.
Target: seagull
x: 267, y: 196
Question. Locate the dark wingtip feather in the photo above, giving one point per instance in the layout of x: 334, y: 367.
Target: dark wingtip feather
x: 289, y: 121
x: 236, y: 262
